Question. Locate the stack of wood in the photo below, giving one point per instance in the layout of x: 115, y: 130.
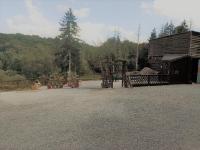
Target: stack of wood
x: 148, y: 71
x: 55, y: 81
x: 72, y: 82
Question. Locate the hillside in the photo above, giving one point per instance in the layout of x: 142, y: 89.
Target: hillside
x: 33, y: 56
x: 28, y: 55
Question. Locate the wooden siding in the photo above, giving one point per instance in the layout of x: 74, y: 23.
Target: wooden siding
x: 155, y: 62
x: 195, y: 45
x: 175, y: 44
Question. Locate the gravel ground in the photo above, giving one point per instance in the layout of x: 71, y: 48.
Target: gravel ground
x: 91, y: 118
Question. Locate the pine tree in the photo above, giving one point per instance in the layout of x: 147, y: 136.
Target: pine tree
x: 69, y: 27
x: 182, y: 28
x: 171, y: 28
x: 162, y: 32
x: 153, y: 34
x: 68, y: 56
x: 117, y: 44
x: 167, y: 29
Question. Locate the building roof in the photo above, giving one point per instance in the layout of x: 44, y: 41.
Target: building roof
x: 193, y: 32
x: 173, y: 57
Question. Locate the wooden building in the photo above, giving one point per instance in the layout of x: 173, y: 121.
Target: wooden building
x: 177, y: 55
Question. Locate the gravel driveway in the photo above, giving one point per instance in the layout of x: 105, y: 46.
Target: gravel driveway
x: 91, y: 118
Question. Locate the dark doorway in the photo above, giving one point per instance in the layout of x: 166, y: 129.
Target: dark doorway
x: 194, y: 70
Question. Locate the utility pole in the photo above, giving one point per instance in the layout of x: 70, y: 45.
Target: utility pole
x: 117, y: 40
x: 137, y: 52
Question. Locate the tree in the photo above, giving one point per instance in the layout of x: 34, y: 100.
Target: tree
x: 68, y: 57
x: 69, y: 27
x: 30, y: 56
x: 162, y: 32
x: 183, y: 27
x: 167, y: 29
x: 171, y: 28
x: 153, y: 34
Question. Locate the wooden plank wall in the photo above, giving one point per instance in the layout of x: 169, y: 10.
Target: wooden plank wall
x: 195, y: 45
x: 176, y: 44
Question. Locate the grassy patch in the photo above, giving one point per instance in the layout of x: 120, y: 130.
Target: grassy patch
x: 90, y: 77
x: 10, y: 80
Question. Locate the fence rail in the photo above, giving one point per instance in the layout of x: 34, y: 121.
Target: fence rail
x: 147, y: 80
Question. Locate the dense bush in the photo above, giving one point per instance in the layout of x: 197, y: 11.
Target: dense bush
x: 10, y: 75
x: 10, y: 80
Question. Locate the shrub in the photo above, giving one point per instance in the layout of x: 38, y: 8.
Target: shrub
x: 10, y: 80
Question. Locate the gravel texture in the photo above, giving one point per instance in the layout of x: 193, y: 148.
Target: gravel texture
x: 91, y: 118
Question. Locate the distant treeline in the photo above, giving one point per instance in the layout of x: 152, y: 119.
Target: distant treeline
x: 33, y: 56
x: 170, y: 29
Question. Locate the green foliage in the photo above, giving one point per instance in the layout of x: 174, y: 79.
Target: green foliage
x: 153, y: 34
x: 10, y: 75
x: 183, y: 27
x: 10, y: 80
x: 68, y: 54
x: 69, y: 27
x: 167, y: 29
x: 114, y: 49
x: 170, y: 29
x: 31, y: 56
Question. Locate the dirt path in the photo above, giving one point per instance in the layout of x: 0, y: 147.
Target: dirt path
x: 145, y: 118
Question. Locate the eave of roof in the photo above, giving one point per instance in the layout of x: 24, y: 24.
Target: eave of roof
x: 173, y: 57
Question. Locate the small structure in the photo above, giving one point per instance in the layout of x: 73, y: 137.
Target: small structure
x: 107, y: 74
x: 112, y: 71
x: 117, y: 70
x: 177, y: 55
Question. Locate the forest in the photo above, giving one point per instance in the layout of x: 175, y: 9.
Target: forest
x: 31, y: 56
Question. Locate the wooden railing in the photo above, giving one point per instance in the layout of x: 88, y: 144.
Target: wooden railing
x: 147, y: 80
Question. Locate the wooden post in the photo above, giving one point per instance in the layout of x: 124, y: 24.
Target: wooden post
x: 198, y: 73
x: 137, y: 52
x: 148, y: 78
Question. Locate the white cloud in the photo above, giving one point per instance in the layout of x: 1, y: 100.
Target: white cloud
x: 62, y: 8
x: 80, y: 13
x: 176, y: 10
x: 33, y: 24
x: 83, y: 12
x: 147, y: 6
x: 96, y: 33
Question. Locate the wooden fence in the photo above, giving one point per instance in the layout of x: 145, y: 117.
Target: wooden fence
x: 147, y: 80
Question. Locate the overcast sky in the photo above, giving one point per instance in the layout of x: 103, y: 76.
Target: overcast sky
x: 98, y: 19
